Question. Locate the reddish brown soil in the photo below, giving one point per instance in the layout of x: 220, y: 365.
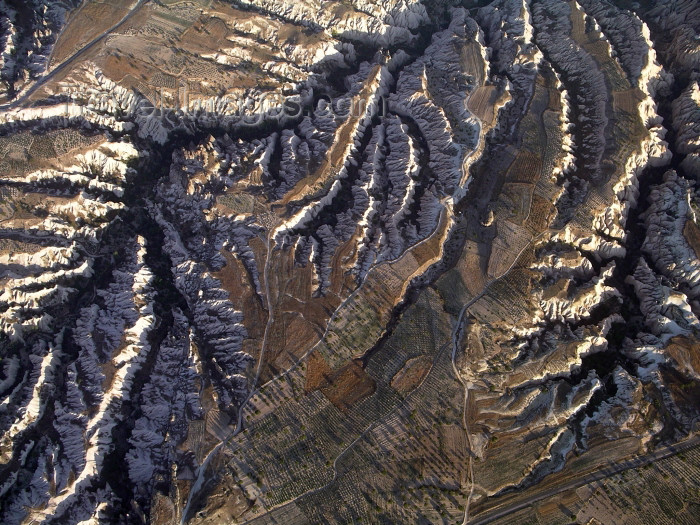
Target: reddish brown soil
x: 87, y: 23
x: 344, y: 387
x: 318, y: 372
x: 686, y: 352
x: 526, y: 168
x: 411, y: 375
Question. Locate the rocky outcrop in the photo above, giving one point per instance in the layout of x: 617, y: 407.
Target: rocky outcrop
x: 170, y: 401
x: 27, y: 35
x: 194, y: 243
x: 432, y: 92
x: 666, y: 311
x: 80, y: 203
x: 680, y: 21
x: 665, y: 220
x: 624, y: 31
x: 398, y: 231
x: 553, y: 35
x: 368, y: 22
x: 116, y: 333
x: 686, y: 123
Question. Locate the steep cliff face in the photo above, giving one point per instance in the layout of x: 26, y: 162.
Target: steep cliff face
x: 329, y: 262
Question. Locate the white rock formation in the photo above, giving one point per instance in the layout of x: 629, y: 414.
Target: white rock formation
x: 686, y: 123
x: 666, y: 311
x: 665, y: 219
x: 578, y: 68
x: 370, y: 22
x: 170, y: 400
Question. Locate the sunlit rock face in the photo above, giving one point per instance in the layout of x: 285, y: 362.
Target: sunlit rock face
x: 386, y: 261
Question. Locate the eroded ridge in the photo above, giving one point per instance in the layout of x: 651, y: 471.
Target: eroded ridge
x: 335, y: 262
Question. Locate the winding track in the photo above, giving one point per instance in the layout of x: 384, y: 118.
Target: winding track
x: 63, y: 66
x: 507, y: 509
x: 455, y: 339
x: 196, y: 487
